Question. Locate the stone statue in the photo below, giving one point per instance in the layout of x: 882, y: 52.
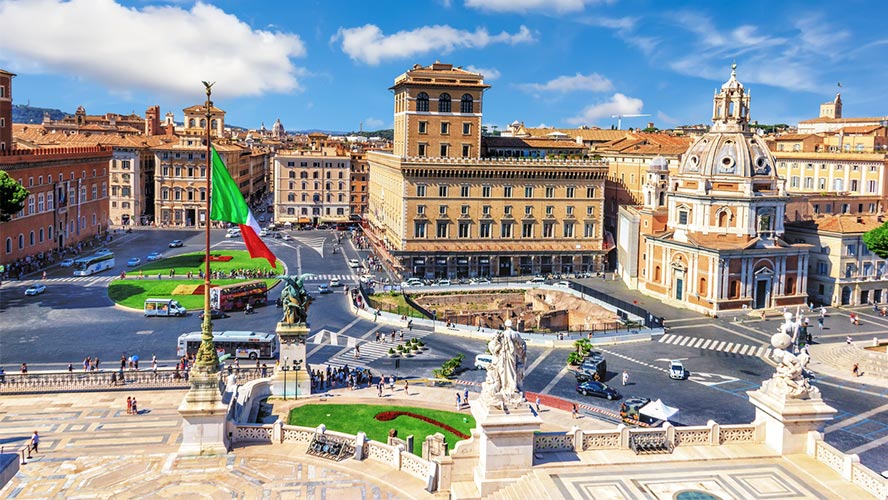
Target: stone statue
x: 789, y: 379
x: 294, y: 300
x: 505, y: 374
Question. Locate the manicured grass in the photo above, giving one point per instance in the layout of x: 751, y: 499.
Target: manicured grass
x: 352, y: 419
x: 194, y: 262
x: 132, y: 292
x: 393, y: 303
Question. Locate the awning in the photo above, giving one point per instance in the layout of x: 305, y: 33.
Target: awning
x: 658, y: 410
x: 304, y: 220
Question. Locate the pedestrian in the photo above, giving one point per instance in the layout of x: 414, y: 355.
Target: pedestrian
x: 379, y: 389
x: 375, y: 314
x: 855, y: 370
x: 392, y: 383
x: 24, y: 368
x: 264, y: 370
x: 822, y: 311
x: 537, y: 402
x: 466, y: 395
x: 129, y: 405
x: 70, y: 367
x: 763, y: 314
x: 44, y: 275
x: 406, y: 388
x: 113, y: 378
x: 458, y: 401
x: 97, y: 363
x: 35, y: 441
x: 573, y: 410
x: 811, y: 307
x: 357, y: 352
x: 122, y: 361
x: 820, y: 322
x: 135, y: 407
x: 848, y: 340
x: 625, y: 378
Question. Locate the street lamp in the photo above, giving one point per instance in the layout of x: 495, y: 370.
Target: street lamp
x: 297, y: 365
x: 285, y: 369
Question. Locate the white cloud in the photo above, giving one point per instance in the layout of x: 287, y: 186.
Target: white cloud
x: 163, y: 49
x: 618, y: 104
x: 369, y: 45
x: 373, y: 124
x: 558, y: 6
x: 592, y: 82
x: 489, y: 74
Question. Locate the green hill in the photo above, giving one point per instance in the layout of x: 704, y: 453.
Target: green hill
x: 22, y: 113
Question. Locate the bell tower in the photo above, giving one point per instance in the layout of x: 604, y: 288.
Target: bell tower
x: 5, y: 109
x: 730, y: 109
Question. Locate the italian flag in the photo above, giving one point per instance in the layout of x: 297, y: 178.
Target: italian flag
x: 228, y: 205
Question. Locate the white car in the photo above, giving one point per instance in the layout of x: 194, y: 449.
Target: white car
x: 354, y: 263
x: 411, y: 282
x: 335, y: 282
x: 443, y: 283
x: 562, y: 284
x: 482, y: 361
x: 66, y: 263
x: 154, y: 256
x: 676, y: 370
x: 538, y: 280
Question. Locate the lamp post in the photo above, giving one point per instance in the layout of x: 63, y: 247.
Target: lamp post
x: 285, y: 369
x: 297, y: 365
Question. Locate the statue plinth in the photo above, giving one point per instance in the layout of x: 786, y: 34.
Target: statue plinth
x: 295, y: 380
x: 505, y: 444
x: 788, y: 420
x: 204, y: 412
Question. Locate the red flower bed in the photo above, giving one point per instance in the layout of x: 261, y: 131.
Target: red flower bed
x: 387, y: 416
x: 220, y: 258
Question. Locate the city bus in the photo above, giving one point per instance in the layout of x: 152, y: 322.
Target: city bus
x: 93, y: 264
x: 238, y: 344
x: 237, y: 295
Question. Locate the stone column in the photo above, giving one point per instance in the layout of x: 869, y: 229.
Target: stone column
x: 506, y: 444
x: 296, y: 381
x: 204, y: 413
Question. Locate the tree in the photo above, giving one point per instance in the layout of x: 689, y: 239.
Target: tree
x: 876, y: 240
x: 12, y: 197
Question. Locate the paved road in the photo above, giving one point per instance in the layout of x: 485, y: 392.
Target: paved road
x: 74, y: 319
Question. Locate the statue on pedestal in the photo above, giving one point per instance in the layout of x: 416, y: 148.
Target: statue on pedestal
x: 505, y: 374
x: 295, y: 300
x: 789, y: 379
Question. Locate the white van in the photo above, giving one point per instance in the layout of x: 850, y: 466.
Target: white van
x: 234, y: 232
x: 482, y: 361
x: 163, y: 307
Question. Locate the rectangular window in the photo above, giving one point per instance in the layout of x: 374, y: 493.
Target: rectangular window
x: 550, y: 210
x: 442, y: 191
x: 419, y: 229
x: 50, y: 203
x: 794, y: 181
x: 506, y: 230
x: 444, y: 149
x: 442, y: 209
x: 464, y: 230
x: 528, y: 191
x: 569, y: 210
x: 590, y: 210
x: 507, y: 210
x: 527, y: 230
x: 590, y: 192
x: 528, y: 210
x: 464, y: 191
x: 421, y: 149
x: 420, y: 209
x: 550, y: 192
x: 484, y: 230
x: 445, y: 128
x: 570, y: 192
x: 853, y: 185
x: 467, y: 128
x: 423, y: 127
x: 507, y: 191
x: 420, y: 190
x: 485, y: 191
x: 442, y: 230
x: 466, y: 150
x: 485, y: 210
x: 589, y: 230
x: 821, y: 183
x: 568, y: 229
x: 464, y: 210
x: 683, y: 217
x: 871, y: 186
x: 40, y: 205
x: 809, y: 183
x: 548, y: 230
x: 823, y: 268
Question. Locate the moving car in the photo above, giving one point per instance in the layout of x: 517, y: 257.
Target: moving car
x: 411, y: 282
x: 233, y: 233
x: 482, y: 361
x: 35, y: 289
x: 214, y: 314
x: 135, y: 261
x: 164, y: 307
x: 354, y: 263
x: 287, y: 237
x: 443, y: 283
x: 562, y: 284
x: 676, y: 370
x: 176, y: 243
x: 537, y: 280
x: 324, y: 288
x: 154, y: 256
x: 593, y: 388
x: 66, y: 263
x: 335, y: 282
x: 480, y: 281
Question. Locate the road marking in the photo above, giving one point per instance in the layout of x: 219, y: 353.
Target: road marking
x: 868, y: 446
x: 537, y: 361
x: 711, y: 379
x: 667, y: 338
x: 707, y: 344
x: 144, y: 332
x: 736, y: 348
x: 698, y: 343
x: 745, y: 349
x: 555, y: 380
x: 855, y: 419
x: 720, y: 345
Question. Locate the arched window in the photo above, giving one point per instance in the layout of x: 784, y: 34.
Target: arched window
x: 304, y: 185
x: 657, y: 273
x: 328, y: 186
x: 304, y: 211
x: 203, y: 122
x: 702, y: 290
x: 22, y: 241
x: 303, y: 175
x: 329, y: 198
x: 304, y: 197
x: 41, y: 235
x: 191, y: 123
x: 466, y: 104
x: 422, y: 102
x: 49, y: 232
x: 292, y: 185
x: 723, y: 218
x: 444, y: 103
x: 213, y: 124
x: 8, y: 245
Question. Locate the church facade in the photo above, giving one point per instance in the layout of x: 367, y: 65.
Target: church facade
x: 710, y: 237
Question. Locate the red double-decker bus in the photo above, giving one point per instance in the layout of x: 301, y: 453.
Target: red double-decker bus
x: 236, y: 296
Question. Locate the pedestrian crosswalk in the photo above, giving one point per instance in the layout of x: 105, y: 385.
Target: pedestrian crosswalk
x: 326, y: 277
x: 716, y: 345
x: 369, y: 350
x: 85, y: 280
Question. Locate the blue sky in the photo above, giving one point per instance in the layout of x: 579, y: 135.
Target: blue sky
x: 563, y: 63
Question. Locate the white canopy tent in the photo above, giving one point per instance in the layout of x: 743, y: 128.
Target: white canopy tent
x: 658, y: 410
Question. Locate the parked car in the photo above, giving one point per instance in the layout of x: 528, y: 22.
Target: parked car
x: 176, y: 243
x: 411, y: 282
x: 593, y: 388
x: 66, y: 263
x: 154, y: 256
x: 135, y: 261
x: 335, y: 282
x: 562, y: 284
x: 214, y: 314
x: 676, y: 370
x: 443, y: 283
x: 233, y: 233
x: 324, y: 288
x: 629, y: 410
x: 480, y: 281
x: 537, y: 280
x: 354, y: 263
x: 35, y: 289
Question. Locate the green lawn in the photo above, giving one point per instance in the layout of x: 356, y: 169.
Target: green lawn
x: 132, y: 292
x: 352, y: 419
x: 393, y: 302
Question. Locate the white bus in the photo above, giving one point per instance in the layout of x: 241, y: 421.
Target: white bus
x: 239, y: 344
x: 93, y: 264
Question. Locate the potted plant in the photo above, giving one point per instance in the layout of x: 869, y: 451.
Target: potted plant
x: 421, y: 345
x: 392, y: 353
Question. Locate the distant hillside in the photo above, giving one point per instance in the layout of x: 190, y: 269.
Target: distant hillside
x: 22, y: 113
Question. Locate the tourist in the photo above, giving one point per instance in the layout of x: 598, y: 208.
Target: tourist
x: 466, y: 395
x: 573, y: 410
x: 24, y: 368
x: 458, y: 401
x: 135, y: 407
x: 625, y: 378
x: 35, y: 441
x: 406, y: 388
x: 392, y: 383
x: 537, y: 402
x: 848, y: 339
x: 855, y: 370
